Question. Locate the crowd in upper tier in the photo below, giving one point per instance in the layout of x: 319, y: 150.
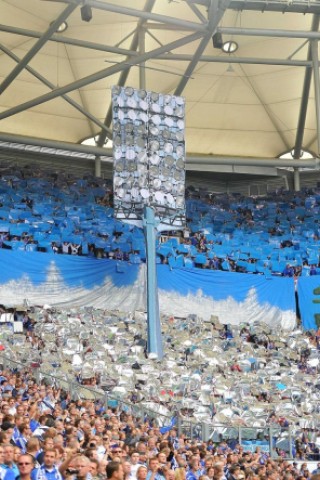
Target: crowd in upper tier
x: 63, y: 214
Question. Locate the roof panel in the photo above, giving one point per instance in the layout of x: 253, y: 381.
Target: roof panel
x: 232, y: 109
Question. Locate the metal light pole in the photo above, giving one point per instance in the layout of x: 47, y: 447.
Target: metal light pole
x: 149, y: 177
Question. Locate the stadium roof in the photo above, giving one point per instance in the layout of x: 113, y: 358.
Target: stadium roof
x: 258, y: 101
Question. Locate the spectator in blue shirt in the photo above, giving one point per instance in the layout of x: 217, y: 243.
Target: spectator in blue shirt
x: 48, y: 470
x: 313, y: 270
x: 288, y: 271
x: 8, y: 463
x: 154, y: 471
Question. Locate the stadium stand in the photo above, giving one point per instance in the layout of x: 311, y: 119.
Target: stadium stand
x: 69, y: 215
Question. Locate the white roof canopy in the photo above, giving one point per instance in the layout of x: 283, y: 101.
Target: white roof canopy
x: 256, y: 102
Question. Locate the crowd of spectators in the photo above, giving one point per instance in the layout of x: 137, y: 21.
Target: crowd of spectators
x: 256, y: 372
x: 46, y: 435
x: 276, y: 234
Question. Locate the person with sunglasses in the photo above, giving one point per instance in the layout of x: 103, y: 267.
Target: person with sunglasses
x: 25, y: 466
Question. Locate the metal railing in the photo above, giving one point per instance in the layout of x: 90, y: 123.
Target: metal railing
x: 266, y: 438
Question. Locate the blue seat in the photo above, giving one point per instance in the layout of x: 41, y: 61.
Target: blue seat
x: 137, y: 244
x: 264, y: 270
x: 4, y: 214
x: 251, y: 267
x: 277, y: 267
x: 121, y: 267
x: 174, y: 242
x: 4, y: 227
x: 188, y: 263
x: 165, y: 250
x: 242, y: 264
x: 31, y: 247
x: 84, y: 248
x: 225, y: 265
x: 179, y: 261
x: 38, y: 236
x: 53, y: 237
x: 16, y: 245
x: 17, y: 230
x: 45, y: 245
x: 182, y: 249
x: 172, y: 262
x: 125, y: 247
x: 200, y: 259
x: 134, y: 258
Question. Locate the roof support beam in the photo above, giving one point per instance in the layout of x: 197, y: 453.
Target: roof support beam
x: 271, y: 32
x: 125, y: 73
x: 109, y: 7
x: 283, y: 6
x: 106, y: 72
x: 304, y: 99
x: 248, y: 32
x: 36, y: 47
x: 46, y: 143
x: 316, y: 81
x: 215, y: 14
x: 52, y: 87
x: 142, y: 49
x: 163, y: 26
x: 233, y: 59
x: 68, y: 41
x: 191, y: 158
x: 254, y: 162
x: 196, y: 11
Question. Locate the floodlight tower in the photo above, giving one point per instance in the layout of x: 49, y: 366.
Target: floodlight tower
x: 149, y: 176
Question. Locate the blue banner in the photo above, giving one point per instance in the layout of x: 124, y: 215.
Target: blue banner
x: 234, y: 297
x: 67, y: 281
x: 309, y: 301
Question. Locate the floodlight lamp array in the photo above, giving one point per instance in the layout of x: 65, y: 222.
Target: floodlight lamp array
x: 149, y: 153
